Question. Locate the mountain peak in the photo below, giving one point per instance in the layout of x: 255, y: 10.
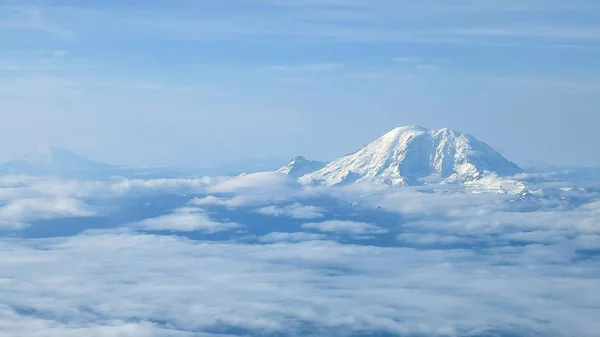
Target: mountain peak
x: 300, y: 166
x: 410, y: 155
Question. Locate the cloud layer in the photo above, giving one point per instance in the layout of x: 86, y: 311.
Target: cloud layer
x: 130, y: 283
x: 287, y: 260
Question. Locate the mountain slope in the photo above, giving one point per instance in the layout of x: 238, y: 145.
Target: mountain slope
x: 414, y: 155
x: 300, y: 166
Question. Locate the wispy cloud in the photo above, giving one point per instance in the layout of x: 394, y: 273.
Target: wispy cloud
x: 59, y: 53
x: 550, y: 83
x: 292, y: 79
x: 366, y: 75
x: 560, y: 32
x: 317, y: 67
x: 406, y: 59
x: 31, y: 18
x: 428, y: 67
x: 290, y: 237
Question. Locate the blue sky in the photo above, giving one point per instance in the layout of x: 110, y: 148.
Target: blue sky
x: 196, y: 82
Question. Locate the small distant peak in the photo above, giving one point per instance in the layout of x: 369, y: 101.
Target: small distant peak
x: 299, y: 158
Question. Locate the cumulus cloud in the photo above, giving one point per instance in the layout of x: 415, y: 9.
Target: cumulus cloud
x: 348, y: 227
x: 185, y: 219
x: 295, y: 210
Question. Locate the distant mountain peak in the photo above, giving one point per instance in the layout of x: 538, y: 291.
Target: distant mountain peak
x: 47, y: 155
x: 412, y: 155
x: 51, y: 159
x: 300, y: 166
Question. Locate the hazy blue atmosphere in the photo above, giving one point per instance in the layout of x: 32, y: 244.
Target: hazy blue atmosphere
x: 287, y: 168
x: 203, y: 82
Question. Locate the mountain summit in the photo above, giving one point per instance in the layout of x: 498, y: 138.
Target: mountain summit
x: 413, y: 155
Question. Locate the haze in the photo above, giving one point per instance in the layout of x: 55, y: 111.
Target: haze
x: 204, y: 82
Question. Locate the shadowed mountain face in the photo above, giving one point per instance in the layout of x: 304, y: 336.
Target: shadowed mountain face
x: 412, y: 155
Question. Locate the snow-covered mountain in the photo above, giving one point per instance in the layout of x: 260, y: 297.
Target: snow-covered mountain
x: 52, y: 160
x: 413, y: 155
x: 300, y: 166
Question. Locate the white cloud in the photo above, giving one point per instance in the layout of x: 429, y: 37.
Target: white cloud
x: 295, y: 210
x: 431, y: 239
x: 185, y: 219
x: 151, y: 186
x: 349, y: 227
x: 290, y: 237
x: 520, y: 268
x: 256, y: 181
x: 209, y: 200
x: 110, y: 284
x: 292, y: 79
x: 18, y: 213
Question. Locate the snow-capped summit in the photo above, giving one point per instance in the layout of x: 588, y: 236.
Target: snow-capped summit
x: 413, y: 155
x: 50, y: 159
x: 300, y: 166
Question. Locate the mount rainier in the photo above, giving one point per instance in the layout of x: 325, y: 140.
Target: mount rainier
x: 410, y: 155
